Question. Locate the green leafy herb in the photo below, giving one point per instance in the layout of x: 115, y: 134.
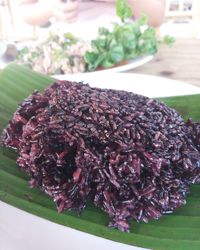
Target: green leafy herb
x: 124, y: 42
x: 169, y: 40
x: 123, y: 10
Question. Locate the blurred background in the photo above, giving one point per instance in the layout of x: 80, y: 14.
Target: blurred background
x: 182, y: 21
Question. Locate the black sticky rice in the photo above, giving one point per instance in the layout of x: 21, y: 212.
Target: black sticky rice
x: 133, y: 156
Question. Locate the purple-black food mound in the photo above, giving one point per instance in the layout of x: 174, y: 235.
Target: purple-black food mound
x: 133, y: 156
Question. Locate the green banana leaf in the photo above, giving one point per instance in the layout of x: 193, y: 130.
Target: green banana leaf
x: 180, y: 231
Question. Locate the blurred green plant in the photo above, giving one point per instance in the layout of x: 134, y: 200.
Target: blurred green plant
x: 123, y: 10
x: 127, y: 40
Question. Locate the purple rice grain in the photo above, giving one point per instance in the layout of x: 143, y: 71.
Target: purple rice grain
x: 133, y: 155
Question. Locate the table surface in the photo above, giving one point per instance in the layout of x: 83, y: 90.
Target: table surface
x: 181, y: 62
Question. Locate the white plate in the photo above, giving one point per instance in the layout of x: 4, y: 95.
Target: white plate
x: 21, y: 231
x: 130, y: 65
x: 87, y: 25
x: 151, y: 86
x: 93, y: 16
